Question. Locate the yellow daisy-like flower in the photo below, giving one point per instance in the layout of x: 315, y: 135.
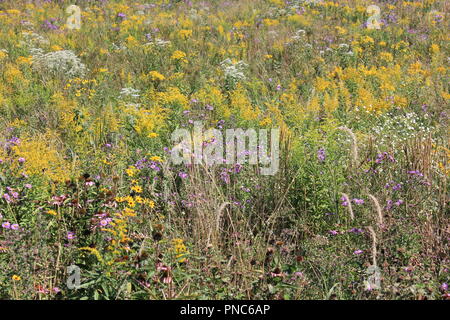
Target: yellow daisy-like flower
x: 150, y: 203
x: 131, y: 171
x: 136, y: 189
x: 156, y: 159
x: 16, y: 277
x: 52, y: 212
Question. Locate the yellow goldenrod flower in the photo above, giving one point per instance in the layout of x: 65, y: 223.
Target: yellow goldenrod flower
x: 16, y: 277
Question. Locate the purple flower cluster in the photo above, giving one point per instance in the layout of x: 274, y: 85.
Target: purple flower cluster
x: 321, y: 155
x: 391, y: 203
x: 225, y: 173
x: 49, y: 24
x: 383, y: 157
x: 12, y: 195
x: 8, y: 225
x: 145, y: 163
x: 355, y: 201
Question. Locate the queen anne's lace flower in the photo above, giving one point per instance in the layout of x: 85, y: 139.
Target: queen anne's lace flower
x: 63, y: 62
x: 234, y: 71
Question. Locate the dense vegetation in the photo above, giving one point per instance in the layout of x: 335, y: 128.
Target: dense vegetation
x: 88, y: 106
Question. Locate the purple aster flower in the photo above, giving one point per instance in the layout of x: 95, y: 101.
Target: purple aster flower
x: 398, y: 186
x: 355, y: 230
x: 6, y: 225
x: 358, y: 252
x: 182, y: 175
x: 70, y: 235
x: 321, y: 155
x: 21, y: 160
x: 7, y: 198
x: 358, y: 201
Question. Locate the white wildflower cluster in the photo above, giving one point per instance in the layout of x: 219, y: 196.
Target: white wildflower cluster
x: 345, y: 49
x: 299, y: 35
x: 64, y: 63
x: 129, y: 92
x: 158, y: 43
x: 119, y: 47
x: 298, y: 4
x: 136, y: 106
x: 311, y: 1
x: 33, y: 39
x: 399, y: 128
x: 234, y: 71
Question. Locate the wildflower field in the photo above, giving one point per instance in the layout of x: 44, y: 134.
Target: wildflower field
x: 92, y: 205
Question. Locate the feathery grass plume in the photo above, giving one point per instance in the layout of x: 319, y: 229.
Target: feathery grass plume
x: 219, y: 214
x: 374, y: 246
x: 350, y: 210
x: 378, y: 208
x: 354, y: 143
